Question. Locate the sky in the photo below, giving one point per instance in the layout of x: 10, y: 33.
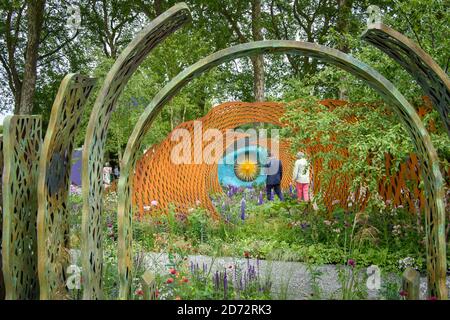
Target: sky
x: 3, y: 115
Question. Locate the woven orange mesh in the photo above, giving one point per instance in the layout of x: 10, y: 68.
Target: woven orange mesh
x: 186, y: 185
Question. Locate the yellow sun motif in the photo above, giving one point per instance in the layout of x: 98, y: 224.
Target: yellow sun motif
x: 247, y: 170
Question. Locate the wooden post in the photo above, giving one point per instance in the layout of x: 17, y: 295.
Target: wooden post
x: 411, y: 284
x: 149, y: 285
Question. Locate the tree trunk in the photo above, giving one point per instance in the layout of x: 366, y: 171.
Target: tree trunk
x: 257, y: 61
x: 342, y: 26
x: 35, y: 14
x: 158, y: 6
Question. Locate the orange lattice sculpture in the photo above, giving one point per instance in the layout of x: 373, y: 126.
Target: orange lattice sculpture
x: 185, y: 185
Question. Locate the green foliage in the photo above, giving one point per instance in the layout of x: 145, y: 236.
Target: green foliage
x: 366, y: 131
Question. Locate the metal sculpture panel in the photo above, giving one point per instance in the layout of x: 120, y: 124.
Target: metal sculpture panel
x: 22, y: 143
x: 54, y: 182
x: 93, y: 153
x: 421, y: 66
x: 433, y: 181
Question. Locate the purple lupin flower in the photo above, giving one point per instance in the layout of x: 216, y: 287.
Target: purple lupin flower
x: 290, y: 190
x: 260, y: 198
x: 272, y: 195
x: 216, y: 281
x: 243, y: 204
x: 225, y: 285
x: 241, y: 287
x: 257, y: 265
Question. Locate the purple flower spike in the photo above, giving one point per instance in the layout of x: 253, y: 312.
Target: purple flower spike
x: 225, y: 284
x: 243, y: 205
x: 260, y: 199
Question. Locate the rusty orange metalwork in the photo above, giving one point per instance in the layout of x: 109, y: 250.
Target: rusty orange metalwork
x: 186, y: 185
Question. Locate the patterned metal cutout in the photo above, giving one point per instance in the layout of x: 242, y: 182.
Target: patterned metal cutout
x: 22, y: 142
x: 433, y: 181
x: 54, y: 183
x: 93, y: 152
x: 420, y: 65
x: 2, y: 283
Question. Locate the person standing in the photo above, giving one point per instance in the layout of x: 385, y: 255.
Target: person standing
x: 116, y: 172
x: 107, y: 171
x: 301, y: 177
x: 274, y: 173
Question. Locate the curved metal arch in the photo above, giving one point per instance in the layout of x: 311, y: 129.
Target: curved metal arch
x: 433, y: 181
x: 53, y: 185
x: 22, y: 143
x: 96, y: 133
x: 419, y: 64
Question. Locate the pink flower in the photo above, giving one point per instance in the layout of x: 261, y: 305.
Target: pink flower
x: 351, y: 263
x: 169, y: 281
x: 139, y: 292
x: 403, y: 293
x: 432, y: 298
x: 154, y: 203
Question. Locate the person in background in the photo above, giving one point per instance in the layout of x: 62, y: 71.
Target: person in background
x: 107, y: 171
x: 301, y: 177
x: 274, y: 173
x: 116, y: 172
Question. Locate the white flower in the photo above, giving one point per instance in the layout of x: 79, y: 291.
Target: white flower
x: 315, y: 206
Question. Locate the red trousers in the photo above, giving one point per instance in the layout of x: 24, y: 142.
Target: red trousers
x: 302, y: 191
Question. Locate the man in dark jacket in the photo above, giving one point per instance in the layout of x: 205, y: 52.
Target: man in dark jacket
x: 274, y: 173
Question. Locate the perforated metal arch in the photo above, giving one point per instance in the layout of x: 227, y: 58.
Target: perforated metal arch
x: 96, y: 133
x: 53, y: 185
x: 420, y: 65
x: 433, y: 181
x: 22, y: 142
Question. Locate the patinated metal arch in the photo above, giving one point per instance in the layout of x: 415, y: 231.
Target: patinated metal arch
x: 53, y: 185
x: 433, y: 181
x: 22, y: 142
x: 420, y: 65
x: 96, y: 133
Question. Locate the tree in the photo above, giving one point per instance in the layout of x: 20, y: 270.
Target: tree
x: 109, y: 24
x: 33, y: 39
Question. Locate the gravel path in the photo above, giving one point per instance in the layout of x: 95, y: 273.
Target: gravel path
x: 291, y: 280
